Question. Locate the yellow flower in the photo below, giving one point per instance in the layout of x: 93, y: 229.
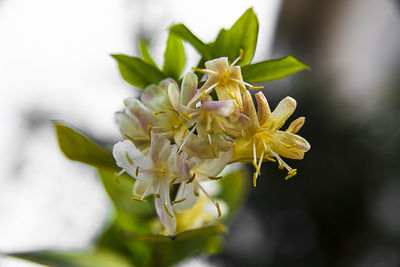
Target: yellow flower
x: 226, y: 79
x: 263, y: 140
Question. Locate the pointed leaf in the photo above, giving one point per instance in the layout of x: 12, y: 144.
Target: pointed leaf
x: 145, y: 53
x: 174, y: 57
x: 77, y: 146
x: 272, y: 69
x: 138, y: 72
x: 242, y: 35
x: 100, y: 258
x: 185, y: 34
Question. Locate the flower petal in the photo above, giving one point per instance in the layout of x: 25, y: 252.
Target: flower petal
x: 185, y: 191
x: 164, y: 208
x: 128, y: 157
x: 250, y: 111
x: 296, y: 125
x: 288, y: 145
x: 188, y: 88
x: 283, y: 111
x: 217, y: 64
x: 140, y: 188
x: 155, y: 98
x: 220, y: 108
x: 211, y: 167
x: 264, y: 112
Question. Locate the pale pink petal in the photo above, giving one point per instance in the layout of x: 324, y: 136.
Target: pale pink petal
x: 164, y: 208
x: 188, y: 88
x: 185, y: 191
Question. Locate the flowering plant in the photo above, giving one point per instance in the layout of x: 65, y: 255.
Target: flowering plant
x: 177, y: 138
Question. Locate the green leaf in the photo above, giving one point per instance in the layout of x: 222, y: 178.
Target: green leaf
x: 145, y: 53
x: 242, y: 35
x: 131, y: 215
x: 77, y: 146
x: 174, y: 57
x: 138, y: 72
x: 185, y: 34
x: 169, y: 251
x: 272, y: 69
x: 235, y: 187
x: 100, y: 258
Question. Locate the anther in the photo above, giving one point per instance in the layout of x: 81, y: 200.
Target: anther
x: 116, y: 177
x: 156, y: 195
x: 128, y: 158
x: 139, y: 199
x: 191, y: 178
x: 137, y: 171
x: 172, y: 109
x: 149, y: 129
x: 178, y: 201
x: 214, y: 177
x: 173, y: 180
x: 291, y: 174
x: 130, y: 138
x: 218, y: 209
x: 167, y: 211
x: 160, y: 112
x: 187, y: 115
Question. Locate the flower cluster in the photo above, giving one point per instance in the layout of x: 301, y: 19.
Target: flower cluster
x: 181, y: 136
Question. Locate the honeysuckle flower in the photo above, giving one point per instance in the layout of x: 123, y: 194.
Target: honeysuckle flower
x: 154, y: 172
x: 201, y: 171
x: 153, y: 112
x: 263, y: 140
x: 226, y: 79
x: 209, y: 119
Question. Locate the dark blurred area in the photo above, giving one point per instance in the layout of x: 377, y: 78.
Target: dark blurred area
x: 343, y: 208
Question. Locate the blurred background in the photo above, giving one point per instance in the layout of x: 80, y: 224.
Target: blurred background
x: 343, y: 207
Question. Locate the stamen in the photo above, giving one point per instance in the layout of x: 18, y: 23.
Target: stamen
x: 184, y: 132
x: 116, y: 177
x: 210, y: 198
x: 204, y: 70
x: 215, y: 177
x: 139, y: 199
x: 173, y: 180
x: 186, y: 115
x: 258, y: 170
x: 291, y: 174
x: 195, y: 192
x: 218, y: 209
x: 254, y: 154
x: 241, y: 52
x: 128, y: 158
x: 178, y: 201
x: 130, y: 138
x: 247, y: 84
x: 282, y: 164
x: 191, y: 178
x: 137, y: 171
x: 209, y: 89
x: 156, y: 195
x: 149, y: 129
x: 145, y: 191
x: 167, y: 211
x: 160, y: 112
x: 187, y: 137
x: 172, y: 109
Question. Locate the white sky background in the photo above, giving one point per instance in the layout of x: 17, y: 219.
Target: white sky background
x: 55, y: 64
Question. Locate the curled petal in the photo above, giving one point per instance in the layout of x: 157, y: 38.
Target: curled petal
x: 211, y: 167
x: 264, y: 112
x: 135, y: 108
x: 283, y: 111
x: 250, y: 111
x: 288, y: 145
x: 296, y: 125
x: 173, y: 94
x: 130, y: 126
x: 128, y: 157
